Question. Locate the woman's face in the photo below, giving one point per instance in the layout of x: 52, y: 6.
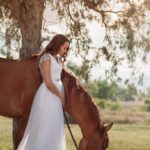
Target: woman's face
x: 63, y: 48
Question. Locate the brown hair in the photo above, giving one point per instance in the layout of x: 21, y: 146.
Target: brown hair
x: 54, y: 45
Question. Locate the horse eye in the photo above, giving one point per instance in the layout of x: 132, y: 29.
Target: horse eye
x: 105, y: 146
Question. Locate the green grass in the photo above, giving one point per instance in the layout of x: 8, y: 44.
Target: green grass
x: 122, y: 136
x: 5, y: 133
x: 130, y: 137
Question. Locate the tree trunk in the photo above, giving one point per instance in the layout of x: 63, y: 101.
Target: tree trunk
x: 29, y: 14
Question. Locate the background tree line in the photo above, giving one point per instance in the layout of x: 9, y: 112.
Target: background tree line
x: 108, y: 94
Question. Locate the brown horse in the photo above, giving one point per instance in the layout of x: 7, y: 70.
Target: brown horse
x: 19, y: 81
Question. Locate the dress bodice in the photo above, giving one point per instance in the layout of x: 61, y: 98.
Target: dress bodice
x: 55, y: 67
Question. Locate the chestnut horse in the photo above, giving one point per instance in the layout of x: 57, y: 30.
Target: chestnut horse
x: 20, y: 80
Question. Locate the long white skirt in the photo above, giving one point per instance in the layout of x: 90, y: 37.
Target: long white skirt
x: 45, y: 127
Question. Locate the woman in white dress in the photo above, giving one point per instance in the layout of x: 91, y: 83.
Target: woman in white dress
x: 45, y: 127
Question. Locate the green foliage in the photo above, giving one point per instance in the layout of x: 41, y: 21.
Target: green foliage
x: 103, y: 104
x: 104, y: 90
x: 148, y: 92
x: 124, y: 94
x: 114, y: 105
x: 82, y: 75
x: 107, y: 104
x: 147, y: 105
x: 147, y: 100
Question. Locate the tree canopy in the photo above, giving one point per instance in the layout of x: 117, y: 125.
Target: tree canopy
x: 126, y: 24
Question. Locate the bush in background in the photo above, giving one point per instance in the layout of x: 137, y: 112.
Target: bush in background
x: 107, y: 104
x: 147, y: 105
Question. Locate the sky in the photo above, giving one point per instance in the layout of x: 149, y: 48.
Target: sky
x: 97, y: 34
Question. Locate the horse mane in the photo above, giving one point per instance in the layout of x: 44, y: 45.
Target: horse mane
x: 89, y: 102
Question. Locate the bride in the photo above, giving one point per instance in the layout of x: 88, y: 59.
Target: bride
x: 45, y: 127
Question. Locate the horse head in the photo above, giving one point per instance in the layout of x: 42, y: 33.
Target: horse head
x: 99, y: 139
x: 85, y: 112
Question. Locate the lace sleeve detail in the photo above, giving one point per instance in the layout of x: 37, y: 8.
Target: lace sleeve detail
x: 44, y: 58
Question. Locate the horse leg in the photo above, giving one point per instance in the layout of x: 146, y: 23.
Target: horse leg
x: 19, y: 125
x: 16, y: 124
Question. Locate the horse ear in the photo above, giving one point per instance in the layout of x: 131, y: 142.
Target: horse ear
x: 108, y: 126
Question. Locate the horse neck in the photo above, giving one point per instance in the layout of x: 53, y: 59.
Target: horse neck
x: 80, y: 105
x: 87, y: 116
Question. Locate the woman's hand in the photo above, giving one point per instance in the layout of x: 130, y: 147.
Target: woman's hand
x: 62, y: 98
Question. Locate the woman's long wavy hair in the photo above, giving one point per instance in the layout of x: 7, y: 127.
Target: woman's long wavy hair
x: 54, y: 45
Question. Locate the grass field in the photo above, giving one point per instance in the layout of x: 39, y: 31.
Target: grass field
x: 122, y: 136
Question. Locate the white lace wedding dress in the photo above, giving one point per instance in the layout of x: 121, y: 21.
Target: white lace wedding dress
x: 45, y: 127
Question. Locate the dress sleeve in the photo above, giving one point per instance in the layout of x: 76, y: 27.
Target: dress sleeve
x: 45, y: 57
x: 42, y: 59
